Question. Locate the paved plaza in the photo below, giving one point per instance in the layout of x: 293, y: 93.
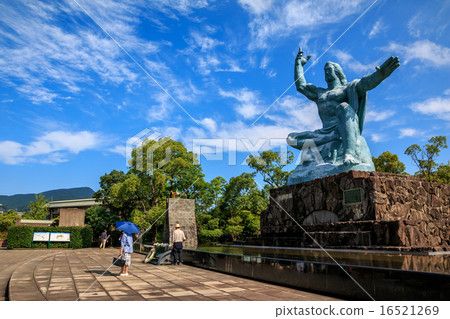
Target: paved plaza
x: 84, y: 275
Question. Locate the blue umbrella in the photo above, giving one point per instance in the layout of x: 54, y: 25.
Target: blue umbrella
x: 128, y: 227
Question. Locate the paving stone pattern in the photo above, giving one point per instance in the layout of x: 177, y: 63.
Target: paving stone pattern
x: 86, y: 274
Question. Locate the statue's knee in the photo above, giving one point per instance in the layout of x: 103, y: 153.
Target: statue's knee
x: 291, y: 140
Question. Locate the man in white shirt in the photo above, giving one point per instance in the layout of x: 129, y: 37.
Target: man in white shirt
x: 177, y: 244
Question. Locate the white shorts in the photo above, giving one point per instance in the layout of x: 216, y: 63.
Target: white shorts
x: 127, y: 258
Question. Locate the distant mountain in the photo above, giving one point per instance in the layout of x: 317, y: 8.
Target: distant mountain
x: 20, y: 202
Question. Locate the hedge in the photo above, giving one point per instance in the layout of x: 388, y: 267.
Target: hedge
x: 21, y: 237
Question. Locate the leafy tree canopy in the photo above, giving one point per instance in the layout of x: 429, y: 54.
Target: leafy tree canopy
x: 7, y: 219
x: 270, y: 165
x: 100, y: 219
x: 37, y: 209
x: 388, y: 163
x: 425, y: 159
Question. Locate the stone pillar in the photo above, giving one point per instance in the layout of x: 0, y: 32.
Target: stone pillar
x: 181, y: 211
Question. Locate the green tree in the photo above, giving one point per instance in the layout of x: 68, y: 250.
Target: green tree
x: 37, y: 209
x: 7, y: 219
x: 425, y: 158
x: 388, y: 163
x: 157, y: 168
x: 107, y: 181
x: 241, y: 206
x: 100, y: 218
x: 210, y: 230
x: 209, y: 224
x: 127, y: 196
x: 168, y: 166
x: 234, y: 227
x: 270, y: 165
x: 442, y: 174
x: 210, y: 196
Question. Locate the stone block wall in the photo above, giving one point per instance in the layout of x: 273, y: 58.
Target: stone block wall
x: 71, y: 216
x: 394, y: 210
x: 181, y: 211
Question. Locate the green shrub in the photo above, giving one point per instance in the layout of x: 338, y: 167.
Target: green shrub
x: 87, y: 234
x: 207, y: 235
x: 21, y: 237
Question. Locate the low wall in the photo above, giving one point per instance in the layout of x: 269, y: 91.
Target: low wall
x: 380, y: 283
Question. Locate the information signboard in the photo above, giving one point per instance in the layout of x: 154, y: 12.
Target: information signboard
x: 41, y: 236
x: 61, y: 237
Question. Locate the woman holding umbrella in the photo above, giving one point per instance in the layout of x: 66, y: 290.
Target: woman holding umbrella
x: 126, y: 243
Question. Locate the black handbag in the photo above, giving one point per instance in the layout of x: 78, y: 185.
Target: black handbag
x: 118, y: 262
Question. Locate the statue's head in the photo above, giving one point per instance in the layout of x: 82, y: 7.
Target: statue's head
x: 334, y: 71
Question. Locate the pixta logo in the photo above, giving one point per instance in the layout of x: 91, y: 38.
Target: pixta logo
x: 138, y: 142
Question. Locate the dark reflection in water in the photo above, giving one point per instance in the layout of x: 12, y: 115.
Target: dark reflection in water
x: 437, y: 263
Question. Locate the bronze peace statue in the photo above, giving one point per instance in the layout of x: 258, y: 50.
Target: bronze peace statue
x: 338, y: 146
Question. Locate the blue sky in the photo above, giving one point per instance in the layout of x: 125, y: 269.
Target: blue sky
x: 71, y: 96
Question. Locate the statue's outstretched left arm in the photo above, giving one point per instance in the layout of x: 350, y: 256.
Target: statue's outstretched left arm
x: 371, y: 81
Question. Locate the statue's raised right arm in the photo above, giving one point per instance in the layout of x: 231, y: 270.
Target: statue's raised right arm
x: 307, y: 89
x: 371, y: 81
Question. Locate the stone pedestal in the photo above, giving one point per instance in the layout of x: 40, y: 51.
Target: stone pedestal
x: 181, y: 211
x: 359, y: 209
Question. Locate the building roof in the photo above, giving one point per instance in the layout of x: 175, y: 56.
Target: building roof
x: 36, y: 221
x: 84, y: 202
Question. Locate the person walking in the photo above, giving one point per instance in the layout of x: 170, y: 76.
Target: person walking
x: 103, y: 238
x: 177, y: 244
x: 126, y: 249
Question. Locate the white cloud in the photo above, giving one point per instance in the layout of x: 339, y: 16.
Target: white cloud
x: 231, y: 67
x: 256, y: 6
x: 161, y: 110
x: 183, y: 7
x: 373, y: 116
x: 119, y: 149
x: 438, y: 107
x: 424, y: 50
x: 377, y: 137
x: 240, y: 136
x: 209, y: 124
x: 349, y: 62
x: 202, y: 49
x: 272, y: 22
x: 44, y: 57
x: 49, y: 148
x: 376, y: 29
x: 431, y: 21
x: 410, y: 132
x: 264, y: 62
x: 290, y: 114
x: 207, y: 63
x: 11, y: 152
x: 295, y: 113
x: 71, y: 142
x: 46, y: 60
x: 249, y: 104
x: 271, y: 73
x: 204, y: 42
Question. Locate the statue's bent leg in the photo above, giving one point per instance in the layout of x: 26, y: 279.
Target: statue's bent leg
x: 348, y: 128
x: 297, y: 140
